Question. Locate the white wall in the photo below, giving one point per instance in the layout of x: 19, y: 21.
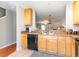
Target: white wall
x: 69, y: 16
x: 20, y: 24
x: 44, y: 8
x: 7, y: 29
x: 34, y: 20
x: 76, y: 28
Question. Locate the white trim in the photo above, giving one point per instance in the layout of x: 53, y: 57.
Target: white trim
x: 18, y: 26
x: 7, y: 45
x: 3, y: 17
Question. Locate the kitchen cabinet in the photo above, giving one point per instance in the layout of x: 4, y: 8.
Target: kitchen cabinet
x: 23, y: 40
x: 76, y: 12
x: 41, y: 43
x: 61, y: 45
x: 73, y: 46
x: 28, y: 16
x: 52, y: 44
x: 68, y: 46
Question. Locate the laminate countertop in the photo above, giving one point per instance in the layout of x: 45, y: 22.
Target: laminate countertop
x: 75, y: 36
x: 55, y: 33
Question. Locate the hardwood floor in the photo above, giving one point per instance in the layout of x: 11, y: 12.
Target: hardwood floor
x: 7, y: 51
x: 21, y: 53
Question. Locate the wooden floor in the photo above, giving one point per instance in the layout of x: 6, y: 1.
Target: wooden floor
x: 21, y: 53
x: 8, y: 50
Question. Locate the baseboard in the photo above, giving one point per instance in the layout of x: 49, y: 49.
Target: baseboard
x: 7, y: 50
x: 7, y: 45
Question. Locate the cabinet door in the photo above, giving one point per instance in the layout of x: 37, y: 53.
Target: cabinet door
x: 73, y: 47
x: 28, y: 16
x: 68, y: 46
x: 24, y: 40
x: 61, y: 45
x: 42, y: 44
x: 76, y: 12
x: 52, y: 45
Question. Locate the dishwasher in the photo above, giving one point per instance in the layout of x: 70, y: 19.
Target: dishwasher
x: 32, y: 41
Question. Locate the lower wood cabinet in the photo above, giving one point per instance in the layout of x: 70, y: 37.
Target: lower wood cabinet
x: 68, y: 46
x: 23, y: 40
x: 41, y: 43
x: 73, y: 46
x: 52, y: 45
x: 61, y: 45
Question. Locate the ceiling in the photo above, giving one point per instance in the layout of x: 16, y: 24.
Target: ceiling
x: 43, y: 8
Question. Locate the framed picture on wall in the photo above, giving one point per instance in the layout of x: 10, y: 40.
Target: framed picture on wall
x: 2, y: 12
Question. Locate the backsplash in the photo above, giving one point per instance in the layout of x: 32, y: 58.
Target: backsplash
x: 76, y: 27
x: 51, y: 26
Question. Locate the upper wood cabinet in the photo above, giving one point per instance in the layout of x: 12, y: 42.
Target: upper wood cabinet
x: 76, y: 12
x: 23, y: 40
x: 52, y: 45
x: 28, y: 16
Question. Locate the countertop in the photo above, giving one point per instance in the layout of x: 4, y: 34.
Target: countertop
x: 29, y: 32
x: 55, y: 33
x: 75, y: 36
